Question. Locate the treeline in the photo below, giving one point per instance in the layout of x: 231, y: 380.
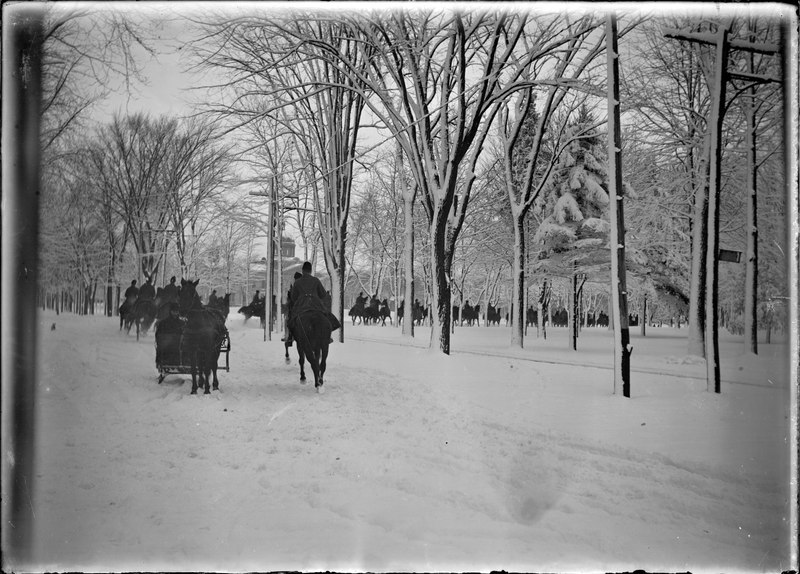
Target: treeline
x: 438, y: 155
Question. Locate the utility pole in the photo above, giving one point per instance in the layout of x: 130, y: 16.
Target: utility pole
x: 278, y: 226
x: 619, y: 290
x: 714, y: 188
x: 723, y: 45
x: 269, y: 279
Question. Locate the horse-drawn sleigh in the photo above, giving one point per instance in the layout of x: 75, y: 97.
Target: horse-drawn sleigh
x: 173, y: 358
x: 191, y: 339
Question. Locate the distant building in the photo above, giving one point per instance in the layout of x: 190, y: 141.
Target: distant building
x: 289, y: 263
x: 287, y: 247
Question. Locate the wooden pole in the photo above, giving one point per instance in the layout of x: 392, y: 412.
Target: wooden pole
x: 619, y: 295
x: 712, y: 259
x: 268, y: 287
x: 279, y: 253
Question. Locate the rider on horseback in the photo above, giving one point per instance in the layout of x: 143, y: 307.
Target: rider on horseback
x: 131, y: 295
x: 170, y: 292
x: 132, y: 292
x: 308, y: 294
x: 148, y: 292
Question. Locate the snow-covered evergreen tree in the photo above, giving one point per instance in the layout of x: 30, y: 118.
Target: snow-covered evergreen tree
x: 577, y: 225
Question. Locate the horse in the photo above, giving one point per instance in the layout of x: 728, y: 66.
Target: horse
x: 531, y: 317
x: 222, y: 305
x: 492, y: 315
x: 373, y: 311
x: 202, y: 336
x: 254, y: 309
x: 357, y: 312
x: 420, y: 314
x: 143, y: 315
x: 470, y: 314
x: 312, y: 332
x: 385, y: 313
x: 164, y: 302
x: 125, y: 314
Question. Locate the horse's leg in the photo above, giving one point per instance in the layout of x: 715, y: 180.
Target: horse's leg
x: 313, y: 360
x: 215, y: 356
x: 302, y: 360
x: 194, y: 372
x: 322, y: 364
x: 207, y: 372
x: 286, y: 352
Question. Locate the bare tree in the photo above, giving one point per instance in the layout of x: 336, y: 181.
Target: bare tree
x: 195, y: 171
x: 675, y: 114
x: 277, y: 71
x: 130, y: 157
x: 528, y: 160
x: 438, y: 77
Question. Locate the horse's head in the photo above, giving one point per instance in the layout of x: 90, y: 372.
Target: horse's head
x: 189, y: 299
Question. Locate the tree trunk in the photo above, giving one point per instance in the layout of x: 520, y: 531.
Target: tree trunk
x: 440, y: 313
x: 697, y: 289
x: 751, y: 255
x: 643, y: 318
x: 518, y: 283
x: 337, y: 298
x: 408, y: 264
x: 573, y: 310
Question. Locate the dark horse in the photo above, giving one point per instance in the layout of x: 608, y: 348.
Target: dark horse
x: 357, y: 311
x: 126, y: 314
x: 164, y: 302
x: 254, y: 309
x: 222, y: 304
x: 139, y: 312
x: 385, y: 313
x: 202, y: 336
x: 312, y: 333
x: 143, y: 315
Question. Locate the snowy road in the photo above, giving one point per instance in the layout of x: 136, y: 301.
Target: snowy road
x: 410, y: 461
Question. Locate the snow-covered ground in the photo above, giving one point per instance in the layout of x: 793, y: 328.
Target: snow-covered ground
x: 491, y: 458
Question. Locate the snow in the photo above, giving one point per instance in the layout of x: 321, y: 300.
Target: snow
x: 490, y: 458
x: 567, y: 209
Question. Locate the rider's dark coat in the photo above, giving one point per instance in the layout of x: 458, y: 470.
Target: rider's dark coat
x: 308, y: 294
x: 147, y: 292
x: 131, y: 292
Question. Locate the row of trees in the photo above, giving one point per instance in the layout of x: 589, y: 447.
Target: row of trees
x: 491, y: 122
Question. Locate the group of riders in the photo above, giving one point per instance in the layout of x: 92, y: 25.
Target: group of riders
x: 145, y: 305
x: 372, y: 313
